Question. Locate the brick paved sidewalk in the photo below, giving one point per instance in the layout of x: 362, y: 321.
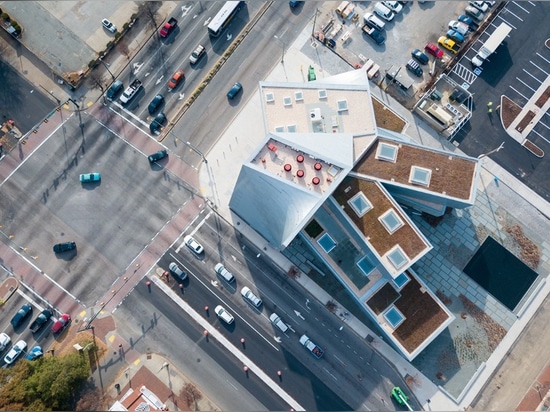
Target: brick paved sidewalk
x: 537, y: 397
x: 7, y: 288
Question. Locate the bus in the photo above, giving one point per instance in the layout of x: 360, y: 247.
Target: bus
x: 224, y: 17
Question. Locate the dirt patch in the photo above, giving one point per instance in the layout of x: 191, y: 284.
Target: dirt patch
x: 495, y: 333
x: 386, y: 118
x: 533, y: 148
x: 383, y: 299
x: 508, y: 111
x: 544, y: 98
x: 529, y: 252
x: 527, y: 119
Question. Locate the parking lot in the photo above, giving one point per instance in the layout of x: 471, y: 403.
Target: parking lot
x: 514, y: 71
x: 129, y: 206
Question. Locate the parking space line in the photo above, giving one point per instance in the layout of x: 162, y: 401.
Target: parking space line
x: 532, y: 75
x: 543, y: 138
x: 507, y: 22
x: 544, y: 124
x: 525, y: 84
x: 515, y: 15
x: 531, y: 3
x: 543, y: 58
x: 511, y: 87
x: 525, y: 10
x: 545, y: 72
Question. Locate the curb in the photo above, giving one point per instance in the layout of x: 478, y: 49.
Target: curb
x: 7, y: 288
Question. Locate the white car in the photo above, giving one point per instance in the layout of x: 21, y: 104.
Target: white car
x: 251, y: 297
x: 4, y: 341
x: 480, y: 5
x: 224, y: 315
x: 15, y: 351
x: 192, y: 244
x: 394, y: 6
x: 224, y: 273
x: 108, y: 25
x: 276, y: 320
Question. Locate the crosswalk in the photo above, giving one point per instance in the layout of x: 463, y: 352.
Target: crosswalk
x: 464, y: 73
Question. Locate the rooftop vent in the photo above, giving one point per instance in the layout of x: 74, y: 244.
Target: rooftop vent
x: 269, y: 97
x: 300, y: 173
x: 291, y: 128
x: 315, y: 180
x: 322, y: 94
x: 287, y: 101
x: 315, y: 115
x: 342, y: 105
x: 299, y: 96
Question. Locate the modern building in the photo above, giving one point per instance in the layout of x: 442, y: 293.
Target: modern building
x: 327, y: 172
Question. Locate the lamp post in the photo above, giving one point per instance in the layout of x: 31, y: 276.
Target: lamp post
x: 283, y: 43
x: 107, y: 67
x: 197, y: 151
x: 481, y: 156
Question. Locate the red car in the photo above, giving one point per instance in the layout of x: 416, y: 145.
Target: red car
x: 61, y: 323
x: 434, y: 50
x: 176, y: 79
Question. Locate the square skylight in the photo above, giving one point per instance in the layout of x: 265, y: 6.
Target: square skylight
x: 394, y: 317
x: 420, y: 176
x: 269, y: 97
x: 287, y: 101
x: 322, y: 94
x: 391, y: 221
x: 342, y: 105
x: 298, y: 96
x: 397, y: 257
x: 280, y: 129
x: 291, y: 128
x: 360, y: 204
x: 387, y: 152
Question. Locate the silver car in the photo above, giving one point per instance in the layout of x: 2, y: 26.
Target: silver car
x: 175, y: 269
x: 108, y: 25
x: 224, y: 315
x: 251, y: 296
x: 192, y: 244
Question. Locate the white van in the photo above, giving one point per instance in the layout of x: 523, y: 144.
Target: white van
x: 383, y: 11
x: 276, y: 320
x: 372, y: 21
x: 224, y: 273
x: 340, y: 9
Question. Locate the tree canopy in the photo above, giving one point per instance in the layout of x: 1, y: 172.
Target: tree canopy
x: 49, y: 383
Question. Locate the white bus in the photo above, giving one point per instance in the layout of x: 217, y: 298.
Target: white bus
x: 224, y: 17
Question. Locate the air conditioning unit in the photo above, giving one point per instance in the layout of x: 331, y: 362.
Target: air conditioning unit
x: 315, y: 115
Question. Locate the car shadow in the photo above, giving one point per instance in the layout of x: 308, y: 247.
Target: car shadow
x: 91, y: 185
x: 230, y: 287
x: 66, y: 256
x: 159, y: 164
x: 200, y: 64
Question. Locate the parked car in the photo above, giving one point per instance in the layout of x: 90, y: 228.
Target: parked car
x: 197, y: 54
x: 34, y: 353
x: 175, y: 269
x: 224, y: 273
x: 251, y: 296
x: 21, y: 315
x: 475, y: 14
x: 5, y: 340
x: 90, y: 177
x: 61, y: 323
x: 421, y: 57
x: 15, y: 351
x: 224, y: 315
x: 480, y: 5
x: 455, y: 36
x: 385, y: 12
x: 448, y: 44
x: 64, y: 247
x: 155, y: 157
x: 466, y: 20
x: 192, y: 244
x: 277, y: 321
x: 176, y: 79
x: 40, y: 320
x: 155, y: 104
x: 108, y: 25
x: 413, y: 66
x: 434, y: 50
x: 156, y: 124
x: 114, y: 90
x: 394, y: 6
x: 234, y: 91
x: 459, y: 26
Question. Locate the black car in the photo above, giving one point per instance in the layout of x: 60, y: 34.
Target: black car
x: 234, y: 91
x: 157, y: 123
x: 64, y: 247
x: 21, y: 315
x: 41, y: 320
x: 114, y: 90
x: 420, y: 56
x: 414, y: 68
x: 155, y: 157
x: 155, y: 104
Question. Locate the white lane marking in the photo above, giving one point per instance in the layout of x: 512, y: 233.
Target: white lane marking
x: 515, y: 15
x: 212, y: 331
x: 525, y: 84
x: 517, y: 4
x: 543, y: 58
x: 511, y: 87
x: 544, y: 71
x: 192, y: 233
x: 334, y: 377
x: 532, y: 75
x: 544, y: 138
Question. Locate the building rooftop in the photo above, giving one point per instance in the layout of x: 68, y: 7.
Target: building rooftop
x: 423, y: 168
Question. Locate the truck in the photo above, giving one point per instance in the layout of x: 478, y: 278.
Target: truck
x: 374, y: 34
x: 402, y: 80
x: 40, y: 320
x: 400, y: 397
x: 491, y: 44
x: 168, y: 27
x: 130, y: 91
x: 312, y: 347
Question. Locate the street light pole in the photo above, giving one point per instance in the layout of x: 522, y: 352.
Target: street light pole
x: 107, y: 67
x: 481, y: 156
x: 283, y: 43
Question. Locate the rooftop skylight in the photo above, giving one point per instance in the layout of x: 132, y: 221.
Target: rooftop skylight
x: 269, y: 97
x: 360, y: 204
x: 420, y: 176
x: 387, y: 152
x: 391, y: 221
x: 279, y: 129
x: 322, y: 94
x: 287, y: 101
x: 298, y: 96
x: 397, y: 257
x: 291, y: 128
x: 342, y: 105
